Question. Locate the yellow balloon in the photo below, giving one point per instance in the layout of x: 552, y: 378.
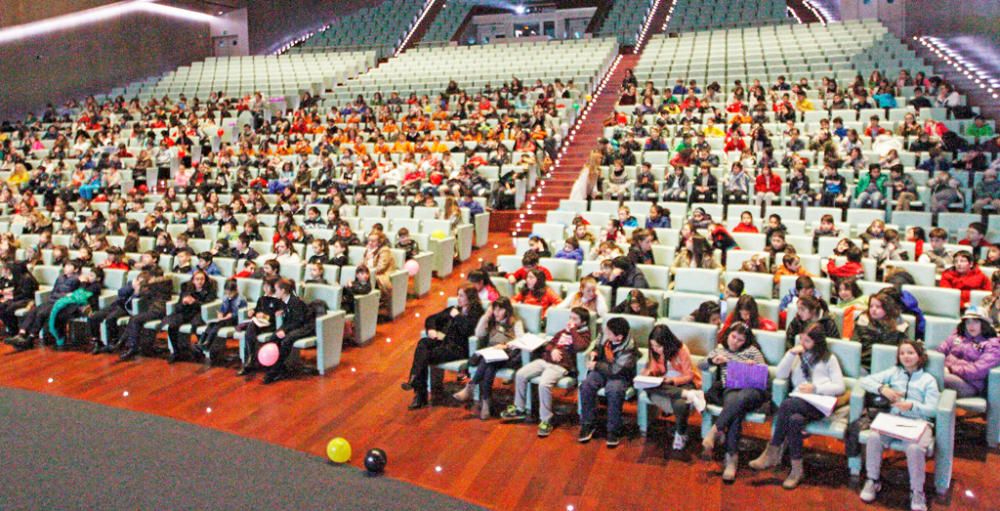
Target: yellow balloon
x: 438, y: 235
x: 338, y: 450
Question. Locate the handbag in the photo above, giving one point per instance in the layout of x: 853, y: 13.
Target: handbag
x: 741, y: 375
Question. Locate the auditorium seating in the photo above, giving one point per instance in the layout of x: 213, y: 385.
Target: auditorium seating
x: 625, y: 20
x: 284, y: 75
x: 690, y: 15
x: 448, y: 20
x: 423, y: 71
x: 381, y: 27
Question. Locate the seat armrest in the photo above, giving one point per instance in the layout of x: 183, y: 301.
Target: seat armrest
x: 779, y: 390
x: 707, y: 378
x: 857, y: 403
x: 945, y: 410
x: 42, y: 296
x: 581, y: 362
x: 209, y: 310
x: 329, y: 340
x: 473, y: 345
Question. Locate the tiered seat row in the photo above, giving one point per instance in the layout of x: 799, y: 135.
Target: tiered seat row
x: 625, y: 20
x: 449, y: 20
x: 429, y: 70
x: 381, y: 27
x: 701, y: 15
x: 813, y: 51
x: 284, y: 75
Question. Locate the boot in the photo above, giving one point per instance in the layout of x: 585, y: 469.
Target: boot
x: 708, y: 443
x: 465, y: 394
x: 794, y: 477
x: 767, y: 459
x: 484, y: 412
x: 729, y: 471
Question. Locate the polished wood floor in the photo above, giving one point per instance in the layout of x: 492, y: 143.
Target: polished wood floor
x: 488, y: 463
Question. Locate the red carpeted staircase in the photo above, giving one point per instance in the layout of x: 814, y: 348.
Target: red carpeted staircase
x: 582, y: 139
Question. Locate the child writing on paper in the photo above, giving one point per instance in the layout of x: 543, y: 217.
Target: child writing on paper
x: 496, y: 328
x: 227, y: 316
x: 738, y: 344
x: 813, y: 370
x: 910, y: 392
x: 671, y: 359
x: 557, y: 361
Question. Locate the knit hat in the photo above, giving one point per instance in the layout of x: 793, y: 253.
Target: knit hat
x: 973, y: 312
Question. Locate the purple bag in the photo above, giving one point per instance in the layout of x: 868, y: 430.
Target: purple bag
x: 746, y: 376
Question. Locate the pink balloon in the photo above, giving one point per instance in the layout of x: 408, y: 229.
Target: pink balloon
x: 412, y: 267
x: 268, y: 354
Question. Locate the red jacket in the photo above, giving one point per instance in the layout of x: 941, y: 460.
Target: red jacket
x: 849, y: 269
x: 973, y: 279
x: 762, y: 324
x: 764, y: 184
x: 740, y: 227
x: 547, y: 300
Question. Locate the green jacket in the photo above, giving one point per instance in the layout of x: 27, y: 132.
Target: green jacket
x: 79, y: 297
x: 866, y: 179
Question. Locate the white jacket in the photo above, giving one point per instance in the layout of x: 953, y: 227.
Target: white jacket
x: 826, y: 375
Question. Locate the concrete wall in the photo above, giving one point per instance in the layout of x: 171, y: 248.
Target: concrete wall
x: 95, y: 58
x: 17, y: 12
x: 907, y: 18
x: 274, y: 22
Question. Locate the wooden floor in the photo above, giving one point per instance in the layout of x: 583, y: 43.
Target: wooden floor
x: 495, y: 465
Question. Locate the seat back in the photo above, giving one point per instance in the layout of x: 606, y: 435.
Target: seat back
x: 639, y: 327
x: 680, y: 305
x: 698, y: 337
x: 884, y: 357
x: 772, y: 345
x: 937, y: 301
x: 697, y: 280
x: 757, y: 285
x: 530, y: 316
x: 563, y: 270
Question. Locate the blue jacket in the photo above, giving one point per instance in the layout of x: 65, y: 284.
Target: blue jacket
x: 211, y: 269
x: 63, y: 286
x: 575, y: 254
x: 232, y: 305
x: 911, y: 305
x: 787, y: 300
x: 662, y: 223
x: 475, y: 208
x: 920, y: 388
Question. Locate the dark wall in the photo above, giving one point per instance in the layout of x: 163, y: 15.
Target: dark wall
x: 94, y: 59
x: 274, y: 22
x: 16, y: 12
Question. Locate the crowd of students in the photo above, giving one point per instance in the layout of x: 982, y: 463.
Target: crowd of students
x: 65, y: 179
x: 761, y: 130
x: 611, y: 362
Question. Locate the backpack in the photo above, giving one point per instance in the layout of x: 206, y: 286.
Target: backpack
x: 316, y: 309
x: 962, y: 112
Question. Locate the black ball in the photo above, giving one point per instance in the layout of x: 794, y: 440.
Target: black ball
x: 375, y: 461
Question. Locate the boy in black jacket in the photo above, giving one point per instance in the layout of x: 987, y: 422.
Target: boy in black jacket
x: 612, y: 367
x: 296, y: 324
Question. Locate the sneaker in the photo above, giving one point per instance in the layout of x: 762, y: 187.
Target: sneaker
x: 918, y: 502
x: 613, y: 439
x: 544, y: 429
x: 586, y: 433
x: 870, y: 491
x: 697, y: 399
x: 680, y: 441
x: 513, y: 413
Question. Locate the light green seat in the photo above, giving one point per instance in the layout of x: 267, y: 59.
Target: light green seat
x: 884, y: 357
